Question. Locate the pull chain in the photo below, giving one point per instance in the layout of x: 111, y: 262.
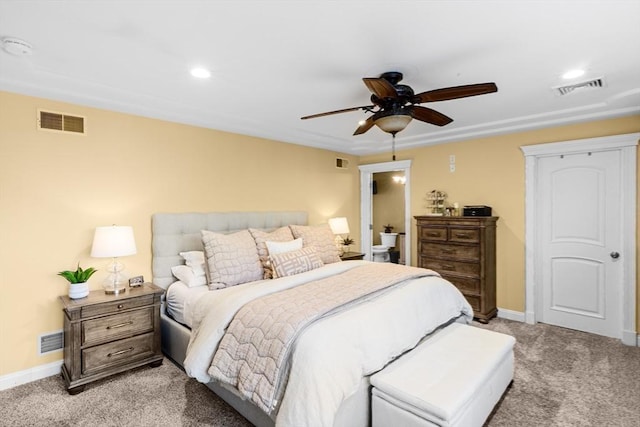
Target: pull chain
x: 393, y: 146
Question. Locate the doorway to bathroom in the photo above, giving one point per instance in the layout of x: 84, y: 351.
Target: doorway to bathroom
x: 385, y: 200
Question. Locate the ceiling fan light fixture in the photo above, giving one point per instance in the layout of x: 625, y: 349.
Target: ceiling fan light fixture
x: 393, y: 123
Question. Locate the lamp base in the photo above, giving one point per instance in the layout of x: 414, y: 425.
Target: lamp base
x: 118, y: 289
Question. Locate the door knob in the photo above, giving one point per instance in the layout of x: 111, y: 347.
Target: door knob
x: 615, y: 255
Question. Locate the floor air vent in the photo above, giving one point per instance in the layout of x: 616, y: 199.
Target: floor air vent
x: 586, y: 85
x: 60, y: 122
x: 50, y: 342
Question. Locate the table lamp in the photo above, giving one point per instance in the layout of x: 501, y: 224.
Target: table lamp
x: 339, y: 226
x: 113, y: 242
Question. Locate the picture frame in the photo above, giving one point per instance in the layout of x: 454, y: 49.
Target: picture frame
x: 136, y: 281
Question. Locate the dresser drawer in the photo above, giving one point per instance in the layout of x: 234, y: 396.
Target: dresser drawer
x: 444, y: 267
x: 438, y: 234
x: 439, y: 250
x: 129, y: 350
x: 116, y: 306
x: 467, y: 285
x: 474, y: 302
x: 107, y: 328
x: 464, y: 235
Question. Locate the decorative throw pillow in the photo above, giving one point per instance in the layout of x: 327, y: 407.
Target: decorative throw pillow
x: 195, y: 260
x: 295, y: 262
x: 232, y: 258
x: 187, y: 275
x: 281, y: 234
x: 319, y: 237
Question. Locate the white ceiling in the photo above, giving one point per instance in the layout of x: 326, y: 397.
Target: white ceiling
x: 275, y: 61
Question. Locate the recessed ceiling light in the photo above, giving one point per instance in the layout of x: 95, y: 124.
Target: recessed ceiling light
x: 16, y: 46
x: 572, y: 74
x: 201, y: 73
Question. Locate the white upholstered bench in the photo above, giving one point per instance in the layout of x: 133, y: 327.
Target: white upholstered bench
x: 453, y: 379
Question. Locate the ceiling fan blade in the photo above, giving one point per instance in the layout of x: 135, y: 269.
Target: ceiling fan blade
x: 428, y: 115
x: 455, y: 92
x: 368, y: 124
x: 345, y: 110
x: 380, y: 87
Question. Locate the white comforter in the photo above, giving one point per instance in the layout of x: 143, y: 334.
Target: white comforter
x: 332, y: 355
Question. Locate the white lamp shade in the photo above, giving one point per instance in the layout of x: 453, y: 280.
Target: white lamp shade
x: 393, y: 123
x: 113, y: 241
x: 339, y: 225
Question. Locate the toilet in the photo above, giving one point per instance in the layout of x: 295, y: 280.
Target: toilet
x: 380, y: 253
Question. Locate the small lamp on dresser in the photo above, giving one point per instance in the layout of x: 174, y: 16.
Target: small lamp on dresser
x: 113, y: 242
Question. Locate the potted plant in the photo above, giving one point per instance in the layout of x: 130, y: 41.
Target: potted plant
x: 348, y: 241
x: 78, y: 287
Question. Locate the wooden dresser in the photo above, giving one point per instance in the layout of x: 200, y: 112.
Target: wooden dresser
x: 107, y: 334
x: 463, y: 251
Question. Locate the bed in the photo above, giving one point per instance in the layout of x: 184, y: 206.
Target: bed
x: 326, y: 381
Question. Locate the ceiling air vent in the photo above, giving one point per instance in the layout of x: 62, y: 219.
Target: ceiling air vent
x: 579, y: 87
x: 60, y: 122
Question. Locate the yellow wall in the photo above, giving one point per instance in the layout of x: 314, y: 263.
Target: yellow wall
x: 490, y: 171
x: 55, y: 188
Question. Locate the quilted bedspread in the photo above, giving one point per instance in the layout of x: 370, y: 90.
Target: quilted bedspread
x: 253, y: 354
x: 331, y: 355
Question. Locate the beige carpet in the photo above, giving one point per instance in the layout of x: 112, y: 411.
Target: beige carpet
x: 562, y: 378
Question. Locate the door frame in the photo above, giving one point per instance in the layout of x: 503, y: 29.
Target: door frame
x: 627, y: 145
x: 366, y: 203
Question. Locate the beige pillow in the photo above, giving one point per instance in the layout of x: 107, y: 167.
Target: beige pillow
x: 295, y: 262
x: 320, y: 238
x: 232, y: 258
x: 282, y: 234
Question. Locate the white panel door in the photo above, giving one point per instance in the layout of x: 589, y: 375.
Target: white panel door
x: 581, y: 234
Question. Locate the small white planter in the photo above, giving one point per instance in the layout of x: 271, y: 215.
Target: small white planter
x: 388, y: 239
x: 78, y: 290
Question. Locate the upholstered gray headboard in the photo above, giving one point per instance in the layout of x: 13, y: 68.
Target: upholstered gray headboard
x: 178, y: 232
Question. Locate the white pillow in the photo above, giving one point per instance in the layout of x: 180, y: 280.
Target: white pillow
x: 275, y: 248
x: 295, y: 262
x: 195, y: 260
x: 232, y: 258
x: 187, y: 275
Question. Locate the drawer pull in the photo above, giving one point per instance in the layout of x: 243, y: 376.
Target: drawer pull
x: 448, y: 267
x: 120, y: 325
x: 118, y: 353
x: 463, y: 236
x: 432, y: 234
x: 120, y: 306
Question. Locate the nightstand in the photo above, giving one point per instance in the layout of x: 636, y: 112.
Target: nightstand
x: 108, y: 334
x: 351, y: 255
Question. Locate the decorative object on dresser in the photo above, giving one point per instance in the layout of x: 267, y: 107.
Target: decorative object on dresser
x: 463, y: 251
x: 113, y: 242
x: 436, y: 201
x: 78, y: 286
x: 340, y: 226
x: 105, y: 334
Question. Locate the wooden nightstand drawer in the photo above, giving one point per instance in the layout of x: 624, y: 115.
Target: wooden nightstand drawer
x: 444, y: 267
x: 438, y: 250
x: 108, y: 328
x: 464, y: 235
x: 432, y: 233
x: 115, y: 306
x: 104, y: 356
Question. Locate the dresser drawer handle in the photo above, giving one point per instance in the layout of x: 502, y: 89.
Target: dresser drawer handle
x: 118, y: 353
x: 448, y: 267
x: 463, y: 236
x: 432, y: 234
x: 120, y: 325
x: 120, y: 306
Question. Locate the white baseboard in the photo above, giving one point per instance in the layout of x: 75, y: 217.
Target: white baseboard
x: 518, y: 316
x: 29, y: 375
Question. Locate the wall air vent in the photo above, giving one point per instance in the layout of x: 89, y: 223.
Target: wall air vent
x: 50, y: 342
x: 60, y: 122
x: 342, y: 163
x: 581, y: 86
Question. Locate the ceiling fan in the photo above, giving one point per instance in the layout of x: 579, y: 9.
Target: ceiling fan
x: 395, y: 105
